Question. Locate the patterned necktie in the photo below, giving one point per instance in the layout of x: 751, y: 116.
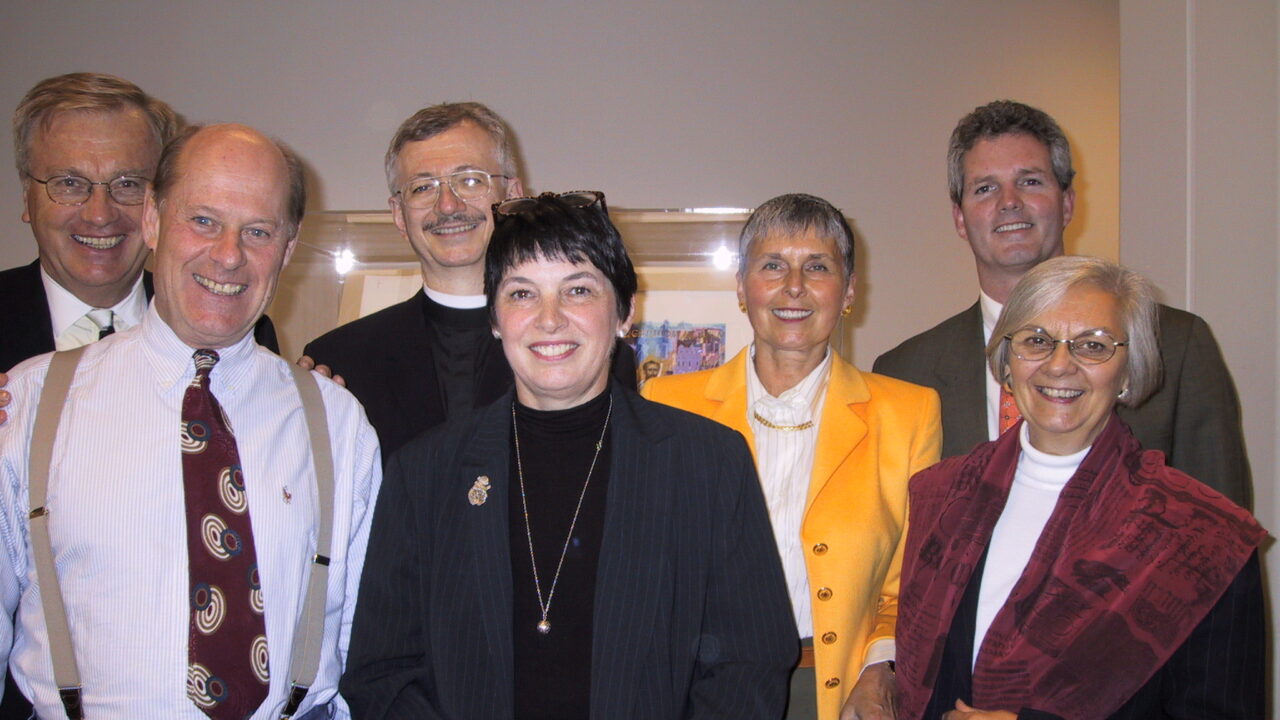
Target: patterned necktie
x: 1009, y: 415
x: 227, y: 673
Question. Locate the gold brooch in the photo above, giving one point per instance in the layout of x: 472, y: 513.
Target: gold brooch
x: 480, y: 491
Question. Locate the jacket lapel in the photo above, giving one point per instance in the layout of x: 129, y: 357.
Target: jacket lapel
x: 962, y: 385
x: 486, y: 533
x: 841, y: 428
x: 727, y: 389
x: 631, y: 551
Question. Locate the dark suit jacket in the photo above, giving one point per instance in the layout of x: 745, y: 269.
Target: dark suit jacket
x: 1194, y: 418
x: 691, y: 617
x: 385, y: 359
x: 1219, y: 671
x: 26, y: 329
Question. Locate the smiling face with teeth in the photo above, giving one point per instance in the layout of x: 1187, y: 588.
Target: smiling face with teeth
x: 221, y: 235
x: 450, y: 237
x: 558, y: 321
x: 1012, y: 210
x: 1065, y: 402
x: 94, y: 249
x: 793, y: 285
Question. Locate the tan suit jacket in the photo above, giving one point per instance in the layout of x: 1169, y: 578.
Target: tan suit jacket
x: 874, y: 434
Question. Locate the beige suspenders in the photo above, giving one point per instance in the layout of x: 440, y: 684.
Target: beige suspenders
x: 308, y: 634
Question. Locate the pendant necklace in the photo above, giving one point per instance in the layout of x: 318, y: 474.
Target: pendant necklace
x: 544, y: 626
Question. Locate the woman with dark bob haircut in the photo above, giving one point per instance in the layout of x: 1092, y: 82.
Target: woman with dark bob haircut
x: 571, y: 550
x: 1061, y: 571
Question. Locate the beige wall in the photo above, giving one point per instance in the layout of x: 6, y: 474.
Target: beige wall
x: 1200, y: 142
x: 660, y: 104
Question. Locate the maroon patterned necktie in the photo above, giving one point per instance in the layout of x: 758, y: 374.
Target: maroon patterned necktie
x: 227, y: 674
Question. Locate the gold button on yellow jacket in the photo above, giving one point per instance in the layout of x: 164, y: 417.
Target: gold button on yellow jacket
x: 874, y: 434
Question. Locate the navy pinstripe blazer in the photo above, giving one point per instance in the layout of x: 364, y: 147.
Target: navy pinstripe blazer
x: 691, y: 617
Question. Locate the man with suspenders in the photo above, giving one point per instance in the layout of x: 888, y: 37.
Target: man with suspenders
x: 183, y: 516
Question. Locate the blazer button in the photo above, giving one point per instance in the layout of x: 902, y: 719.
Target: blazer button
x: 833, y: 682
x: 828, y: 638
x: 820, y: 549
x: 824, y: 593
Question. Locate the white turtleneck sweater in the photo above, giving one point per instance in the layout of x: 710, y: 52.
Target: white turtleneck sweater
x: 1037, y: 482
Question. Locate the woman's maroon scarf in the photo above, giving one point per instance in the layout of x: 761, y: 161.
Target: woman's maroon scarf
x: 1132, y: 559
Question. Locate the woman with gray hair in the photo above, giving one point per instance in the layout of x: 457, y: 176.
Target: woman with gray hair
x: 834, y: 447
x: 1061, y: 571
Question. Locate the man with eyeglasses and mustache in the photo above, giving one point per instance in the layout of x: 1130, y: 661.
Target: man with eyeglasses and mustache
x: 416, y: 363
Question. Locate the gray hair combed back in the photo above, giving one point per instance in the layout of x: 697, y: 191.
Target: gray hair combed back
x: 1045, y: 285
x: 431, y: 121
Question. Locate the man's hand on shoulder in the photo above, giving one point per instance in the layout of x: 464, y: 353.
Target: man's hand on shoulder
x: 4, y: 398
x: 305, y: 362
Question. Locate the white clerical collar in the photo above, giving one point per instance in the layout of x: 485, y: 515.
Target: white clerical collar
x: 458, y: 302
x: 990, y: 313
x: 65, y: 308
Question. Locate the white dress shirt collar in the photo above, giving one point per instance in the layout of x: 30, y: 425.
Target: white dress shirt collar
x: 990, y: 313
x: 65, y: 308
x: 173, y: 364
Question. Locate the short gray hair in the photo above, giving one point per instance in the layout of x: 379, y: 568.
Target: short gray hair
x: 431, y: 121
x: 1045, y: 285
x: 1006, y: 117
x: 796, y: 213
x: 86, y: 91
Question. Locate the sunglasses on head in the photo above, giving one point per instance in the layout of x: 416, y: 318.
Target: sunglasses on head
x: 576, y: 199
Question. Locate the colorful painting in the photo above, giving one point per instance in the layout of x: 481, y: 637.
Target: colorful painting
x: 668, y: 348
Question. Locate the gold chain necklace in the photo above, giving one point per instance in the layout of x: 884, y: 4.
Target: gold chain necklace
x: 787, y: 428
x: 544, y: 626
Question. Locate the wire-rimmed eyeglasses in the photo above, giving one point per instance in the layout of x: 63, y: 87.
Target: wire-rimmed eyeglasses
x: 1092, y: 347
x: 423, y: 192
x: 76, y: 190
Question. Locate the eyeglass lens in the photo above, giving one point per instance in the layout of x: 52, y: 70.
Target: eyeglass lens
x: 1091, y: 347
x: 467, y: 184
x: 75, y: 190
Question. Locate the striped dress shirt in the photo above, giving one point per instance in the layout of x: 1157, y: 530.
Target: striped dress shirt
x: 118, y: 522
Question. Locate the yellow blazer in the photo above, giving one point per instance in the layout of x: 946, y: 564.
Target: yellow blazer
x: 874, y: 434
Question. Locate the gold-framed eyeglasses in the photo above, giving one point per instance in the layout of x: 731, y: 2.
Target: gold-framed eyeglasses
x: 1092, y: 347
x: 575, y: 198
x: 466, y: 184
x: 76, y: 190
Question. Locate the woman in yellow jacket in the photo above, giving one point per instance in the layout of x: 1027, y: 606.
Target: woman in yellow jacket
x: 834, y: 448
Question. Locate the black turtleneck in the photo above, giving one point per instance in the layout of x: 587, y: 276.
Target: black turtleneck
x: 457, y: 336
x: 553, y: 671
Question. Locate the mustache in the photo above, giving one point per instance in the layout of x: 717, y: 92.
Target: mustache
x: 458, y: 218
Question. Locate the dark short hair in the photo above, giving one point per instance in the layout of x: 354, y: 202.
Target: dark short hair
x: 431, y: 121
x: 796, y: 213
x: 85, y: 91
x: 552, y: 229
x: 169, y: 170
x: 1006, y: 117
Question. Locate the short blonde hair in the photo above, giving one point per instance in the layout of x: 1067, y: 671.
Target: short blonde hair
x: 1046, y: 284
x: 86, y: 91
